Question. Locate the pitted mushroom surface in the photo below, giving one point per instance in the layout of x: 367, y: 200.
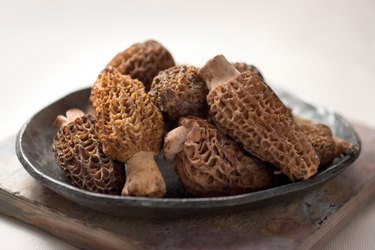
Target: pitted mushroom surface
x: 325, y: 144
x: 143, y: 61
x: 131, y: 129
x: 79, y: 154
x: 179, y: 91
x: 248, y: 110
x: 209, y: 164
x: 242, y: 67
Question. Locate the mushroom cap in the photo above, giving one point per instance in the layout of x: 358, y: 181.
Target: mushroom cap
x: 179, y: 91
x: 209, y: 164
x: 324, y: 142
x: 250, y: 112
x: 128, y: 122
x: 143, y: 61
x: 321, y: 138
x: 79, y: 154
x: 242, y: 67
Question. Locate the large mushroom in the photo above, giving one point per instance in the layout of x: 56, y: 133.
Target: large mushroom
x: 80, y: 155
x: 209, y: 164
x: 143, y: 61
x: 248, y: 110
x: 179, y: 91
x: 131, y: 130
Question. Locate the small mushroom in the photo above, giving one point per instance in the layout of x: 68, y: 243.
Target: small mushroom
x: 209, y: 164
x: 248, y: 110
x: 143, y: 61
x: 325, y: 144
x: 79, y: 154
x: 179, y: 91
x: 242, y: 67
x: 131, y: 130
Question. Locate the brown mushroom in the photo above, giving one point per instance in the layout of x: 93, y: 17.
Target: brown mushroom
x: 242, y: 67
x: 179, y: 91
x: 143, y: 61
x: 209, y: 164
x: 79, y: 154
x: 325, y: 144
x: 248, y: 110
x: 131, y: 130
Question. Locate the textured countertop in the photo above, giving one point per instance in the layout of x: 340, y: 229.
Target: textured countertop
x: 321, y: 49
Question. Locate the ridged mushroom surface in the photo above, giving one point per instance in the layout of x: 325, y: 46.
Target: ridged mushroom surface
x: 248, y: 110
x: 143, y: 61
x: 79, y: 154
x: 179, y: 91
x: 242, y: 67
x: 326, y: 145
x: 131, y: 130
x: 209, y: 164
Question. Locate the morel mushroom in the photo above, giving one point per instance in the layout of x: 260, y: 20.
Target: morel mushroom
x: 79, y: 154
x: 209, y: 164
x: 179, y: 91
x: 242, y: 67
x: 143, y: 61
x: 131, y: 130
x: 325, y: 144
x: 248, y: 110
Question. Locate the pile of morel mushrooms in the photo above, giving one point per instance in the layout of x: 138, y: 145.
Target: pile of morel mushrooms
x: 228, y: 132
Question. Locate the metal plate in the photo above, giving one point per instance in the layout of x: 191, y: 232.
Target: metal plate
x: 34, y: 150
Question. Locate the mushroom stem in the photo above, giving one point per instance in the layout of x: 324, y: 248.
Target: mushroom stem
x: 174, y: 142
x: 217, y: 71
x: 71, y: 115
x: 143, y: 176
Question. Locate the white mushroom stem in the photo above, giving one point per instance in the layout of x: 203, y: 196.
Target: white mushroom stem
x: 143, y: 176
x: 71, y: 115
x: 174, y: 142
x: 217, y: 71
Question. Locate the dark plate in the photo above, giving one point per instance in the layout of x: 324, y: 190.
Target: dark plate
x: 34, y: 150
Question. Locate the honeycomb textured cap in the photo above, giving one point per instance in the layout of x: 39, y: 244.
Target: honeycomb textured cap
x: 250, y: 112
x: 209, y: 164
x: 79, y: 154
x: 325, y: 143
x: 321, y: 138
x: 179, y: 91
x: 128, y: 122
x: 143, y: 61
x: 242, y: 67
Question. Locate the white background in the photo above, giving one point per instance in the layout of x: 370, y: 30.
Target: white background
x: 321, y: 49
